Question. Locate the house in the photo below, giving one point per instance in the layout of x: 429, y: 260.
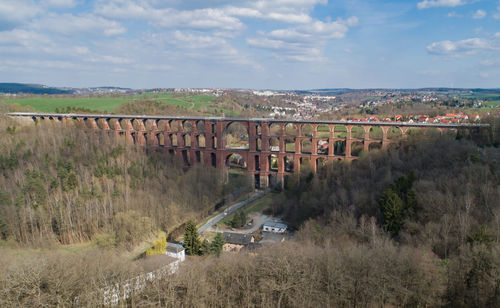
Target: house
x: 236, y: 241
x: 276, y: 227
x: 176, y: 251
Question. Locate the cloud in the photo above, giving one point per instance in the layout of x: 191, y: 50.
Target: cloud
x: 68, y: 24
x: 207, y: 18
x: 453, y: 15
x: 479, y: 14
x: 497, y: 14
x: 59, y: 3
x: 303, y: 42
x: 426, y: 4
x: 463, y: 47
x: 16, y: 12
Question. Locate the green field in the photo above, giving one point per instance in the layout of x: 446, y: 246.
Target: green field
x: 483, y: 96
x: 109, y: 103
x: 493, y: 103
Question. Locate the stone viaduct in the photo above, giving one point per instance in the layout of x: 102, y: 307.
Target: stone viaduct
x: 272, y: 149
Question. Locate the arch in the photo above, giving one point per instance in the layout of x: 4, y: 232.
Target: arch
x: 305, y: 163
x: 339, y: 148
x: 322, y: 147
x: 236, y: 161
x: 290, y: 129
x: 258, y: 144
x: 174, y: 125
x: 357, y: 132
x: 376, y: 133
x: 258, y: 129
x: 185, y: 157
x: 173, y: 138
x: 272, y: 180
x: 161, y: 139
x: 321, y: 162
x: 307, y: 130
x: 188, y: 126
x: 236, y: 135
x: 306, y: 146
x: 198, y: 156
x: 274, y: 144
x: 288, y: 163
x: 394, y: 133
x: 201, y: 141
x: 257, y: 162
x: 290, y: 145
x: 274, y: 129
x: 340, y: 131
x: 273, y: 162
x: 323, y: 130
x: 375, y: 146
x: 213, y: 160
x: 200, y: 126
x: 356, y: 148
x: 187, y: 140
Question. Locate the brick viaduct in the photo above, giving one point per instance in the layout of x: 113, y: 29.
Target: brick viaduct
x: 203, y: 139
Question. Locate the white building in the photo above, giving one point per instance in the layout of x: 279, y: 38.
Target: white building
x: 276, y: 227
x: 176, y: 251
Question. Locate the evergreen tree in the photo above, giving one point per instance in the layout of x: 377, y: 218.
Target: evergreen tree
x: 191, y: 239
x: 393, y: 210
x: 206, y: 247
x: 217, y: 244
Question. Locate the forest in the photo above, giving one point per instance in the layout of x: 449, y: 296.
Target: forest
x: 415, y: 226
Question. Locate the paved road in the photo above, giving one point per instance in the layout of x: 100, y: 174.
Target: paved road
x: 229, y: 210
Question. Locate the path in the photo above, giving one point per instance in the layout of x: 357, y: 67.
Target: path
x: 212, y: 221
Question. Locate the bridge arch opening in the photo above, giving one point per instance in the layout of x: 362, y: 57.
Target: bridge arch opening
x: 273, y: 162
x: 188, y: 126
x: 376, y: 133
x: 357, y: 132
x: 290, y: 129
x: 323, y: 131
x: 201, y: 140
x: 322, y: 146
x: 200, y: 126
x: 236, y: 136
x: 160, y: 138
x: 187, y: 140
x: 306, y: 145
x: 288, y: 163
x: 236, y: 161
x: 257, y: 162
x: 174, y: 140
x: 374, y: 146
x: 307, y: 130
x: 356, y: 148
x: 290, y: 145
x: 339, y: 148
x: 213, y: 160
x: 340, y: 131
x: 275, y: 129
x: 394, y: 133
x: 274, y: 144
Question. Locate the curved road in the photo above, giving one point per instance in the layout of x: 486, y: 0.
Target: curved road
x: 212, y: 221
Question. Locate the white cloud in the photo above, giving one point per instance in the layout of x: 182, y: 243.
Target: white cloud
x: 463, y: 47
x: 426, y: 4
x: 16, y: 12
x: 58, y: 3
x: 453, y: 14
x: 479, y: 14
x: 497, y: 35
x: 68, y: 24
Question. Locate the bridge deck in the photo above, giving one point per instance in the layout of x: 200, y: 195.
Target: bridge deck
x: 258, y: 120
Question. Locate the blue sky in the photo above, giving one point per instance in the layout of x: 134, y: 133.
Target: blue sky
x: 278, y: 44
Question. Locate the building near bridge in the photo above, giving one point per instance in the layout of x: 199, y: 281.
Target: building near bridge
x: 176, y: 251
x: 236, y: 241
x: 276, y: 227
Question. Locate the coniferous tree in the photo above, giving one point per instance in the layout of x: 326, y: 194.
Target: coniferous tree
x: 191, y: 240
x: 393, y: 210
x: 217, y: 244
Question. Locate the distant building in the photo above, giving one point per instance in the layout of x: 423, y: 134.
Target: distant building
x: 275, y: 227
x: 176, y: 251
x: 236, y: 241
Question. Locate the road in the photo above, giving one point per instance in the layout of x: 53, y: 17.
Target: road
x: 212, y: 221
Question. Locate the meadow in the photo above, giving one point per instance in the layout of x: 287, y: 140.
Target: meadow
x: 109, y: 103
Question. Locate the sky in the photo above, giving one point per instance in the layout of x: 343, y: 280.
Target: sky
x: 257, y: 44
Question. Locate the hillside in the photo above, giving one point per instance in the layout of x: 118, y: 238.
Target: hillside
x: 21, y: 88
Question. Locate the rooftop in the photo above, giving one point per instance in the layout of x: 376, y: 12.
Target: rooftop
x: 237, y: 238
x: 274, y: 224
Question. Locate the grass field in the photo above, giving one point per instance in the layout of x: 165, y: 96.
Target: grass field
x: 109, y: 103
x: 493, y: 103
x: 480, y: 96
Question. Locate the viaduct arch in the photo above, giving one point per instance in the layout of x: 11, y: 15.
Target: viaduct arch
x: 276, y: 148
